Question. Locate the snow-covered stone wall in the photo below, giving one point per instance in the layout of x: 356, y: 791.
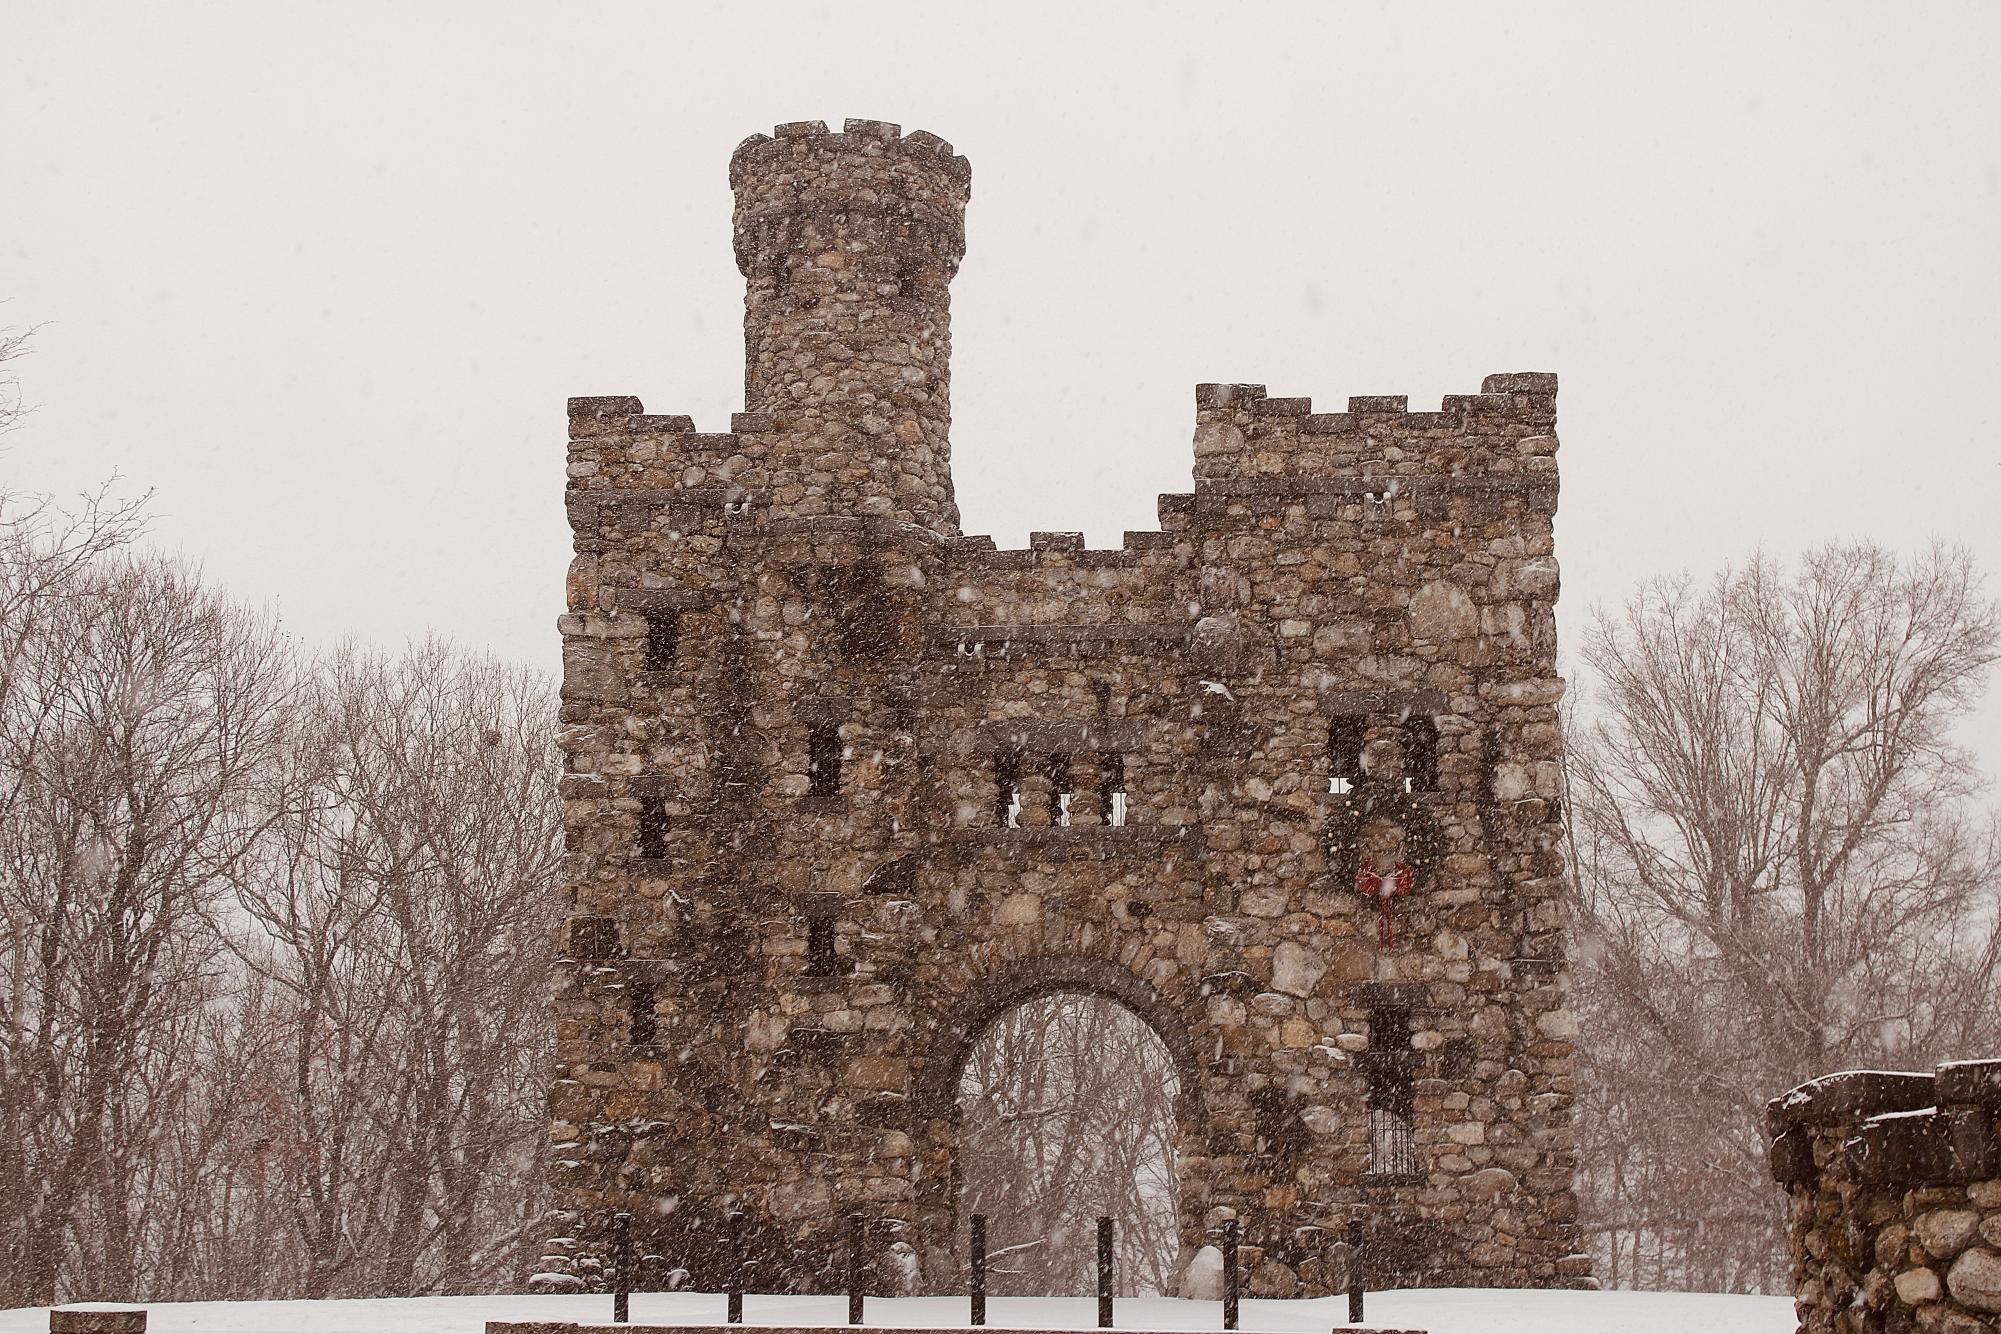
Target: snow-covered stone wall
x: 844, y: 785
x: 1894, y: 1187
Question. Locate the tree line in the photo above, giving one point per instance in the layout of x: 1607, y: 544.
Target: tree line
x: 273, y: 926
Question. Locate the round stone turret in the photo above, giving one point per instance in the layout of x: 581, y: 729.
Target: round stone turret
x: 848, y: 243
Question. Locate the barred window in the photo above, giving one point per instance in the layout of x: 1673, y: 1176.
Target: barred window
x: 1391, y: 1152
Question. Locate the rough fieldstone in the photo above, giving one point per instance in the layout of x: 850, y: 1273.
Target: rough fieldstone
x: 1945, y: 1232
x: 1915, y: 1286
x: 1975, y: 1280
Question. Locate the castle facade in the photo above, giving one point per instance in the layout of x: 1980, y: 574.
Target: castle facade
x: 844, y: 784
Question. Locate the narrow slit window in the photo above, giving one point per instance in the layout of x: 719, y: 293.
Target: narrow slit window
x: 645, y: 1023
x: 1420, y: 754
x: 1007, y: 789
x: 654, y: 823
x: 823, y: 761
x: 663, y: 640
x: 1345, y: 736
x: 820, y: 958
x: 1392, y: 1129
x: 1058, y: 769
x: 1112, y: 788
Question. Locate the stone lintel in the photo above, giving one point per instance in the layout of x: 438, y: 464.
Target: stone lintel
x: 1071, y: 843
x: 1368, y: 702
x: 645, y: 600
x: 1056, y: 738
x: 1850, y: 1095
x: 997, y: 640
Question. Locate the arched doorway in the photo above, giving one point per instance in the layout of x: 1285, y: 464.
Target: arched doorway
x: 1017, y: 1003
x: 1067, y: 1114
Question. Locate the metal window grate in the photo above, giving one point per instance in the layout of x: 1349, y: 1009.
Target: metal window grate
x: 1391, y: 1151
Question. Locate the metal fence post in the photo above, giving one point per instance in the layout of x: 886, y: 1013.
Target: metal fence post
x: 621, y: 1261
x: 1104, y: 1273
x: 979, y: 1302
x: 1230, y: 1231
x: 854, y: 1269
x: 1354, y: 1271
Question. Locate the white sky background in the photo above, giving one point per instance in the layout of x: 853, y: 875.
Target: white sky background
x: 324, y: 275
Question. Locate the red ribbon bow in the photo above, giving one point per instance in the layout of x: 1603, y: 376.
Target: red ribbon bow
x: 1371, y: 883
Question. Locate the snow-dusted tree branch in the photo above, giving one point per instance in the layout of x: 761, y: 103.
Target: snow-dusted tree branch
x: 1781, y: 872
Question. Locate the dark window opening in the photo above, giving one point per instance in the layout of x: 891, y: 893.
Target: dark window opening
x: 1345, y: 736
x: 1112, y: 789
x: 1007, y: 789
x: 645, y: 1024
x: 1389, y: 1029
x: 654, y: 824
x: 663, y: 640
x: 820, y: 958
x: 1392, y: 1151
x: 1058, y: 769
x: 1420, y: 755
x: 823, y: 761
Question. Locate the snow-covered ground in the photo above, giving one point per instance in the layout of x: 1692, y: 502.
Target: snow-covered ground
x: 1441, y: 1311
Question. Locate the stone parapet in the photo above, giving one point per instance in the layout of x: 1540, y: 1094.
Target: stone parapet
x: 1893, y: 1182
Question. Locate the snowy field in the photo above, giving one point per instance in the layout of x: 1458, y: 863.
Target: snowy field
x: 1441, y: 1311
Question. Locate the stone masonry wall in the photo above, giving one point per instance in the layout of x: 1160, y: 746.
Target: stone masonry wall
x: 793, y: 693
x: 1893, y: 1182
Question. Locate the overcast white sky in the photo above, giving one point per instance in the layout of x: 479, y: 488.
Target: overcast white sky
x: 323, y: 275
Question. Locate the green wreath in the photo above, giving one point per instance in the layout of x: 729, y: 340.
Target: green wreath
x: 1423, y: 842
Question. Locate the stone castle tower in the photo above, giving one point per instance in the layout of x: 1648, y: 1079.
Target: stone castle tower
x: 845, y: 785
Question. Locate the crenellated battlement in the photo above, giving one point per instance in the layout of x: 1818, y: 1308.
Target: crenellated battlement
x: 787, y: 142
x: 1241, y: 432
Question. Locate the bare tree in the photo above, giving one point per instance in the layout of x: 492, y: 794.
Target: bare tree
x: 13, y: 343
x: 403, y: 917
x: 1069, y: 1115
x: 142, y: 712
x: 1779, y: 873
